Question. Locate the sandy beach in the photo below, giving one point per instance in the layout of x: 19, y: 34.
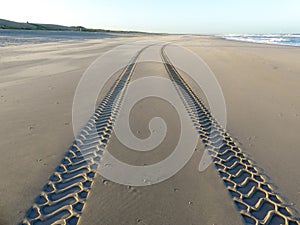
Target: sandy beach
x: 260, y: 84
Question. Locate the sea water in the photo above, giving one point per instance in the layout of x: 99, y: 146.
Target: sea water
x: 275, y: 39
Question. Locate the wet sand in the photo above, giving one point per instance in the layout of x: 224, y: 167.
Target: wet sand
x: 261, y: 84
x: 37, y: 84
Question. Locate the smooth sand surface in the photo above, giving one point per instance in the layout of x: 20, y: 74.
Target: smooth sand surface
x: 261, y: 85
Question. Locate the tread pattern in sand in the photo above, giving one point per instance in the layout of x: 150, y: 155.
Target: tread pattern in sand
x: 63, y: 197
x: 255, y: 199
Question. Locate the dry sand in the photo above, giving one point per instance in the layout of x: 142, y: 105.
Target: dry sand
x: 261, y: 85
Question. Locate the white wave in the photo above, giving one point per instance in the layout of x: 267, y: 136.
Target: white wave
x: 277, y: 39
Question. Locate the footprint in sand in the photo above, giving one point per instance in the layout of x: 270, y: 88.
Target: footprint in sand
x: 31, y: 127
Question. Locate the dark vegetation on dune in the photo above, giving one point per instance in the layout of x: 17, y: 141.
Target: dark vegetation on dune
x: 7, y: 24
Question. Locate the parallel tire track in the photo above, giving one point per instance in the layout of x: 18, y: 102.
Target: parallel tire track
x: 63, y: 197
x: 255, y: 199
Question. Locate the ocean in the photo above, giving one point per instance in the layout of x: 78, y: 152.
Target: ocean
x: 275, y: 39
x: 17, y: 37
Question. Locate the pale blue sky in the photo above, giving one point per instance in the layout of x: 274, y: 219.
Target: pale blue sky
x: 189, y: 16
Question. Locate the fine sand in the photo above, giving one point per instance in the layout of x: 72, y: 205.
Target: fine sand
x: 261, y: 86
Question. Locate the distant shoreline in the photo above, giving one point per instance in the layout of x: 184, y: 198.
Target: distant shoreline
x: 10, y: 37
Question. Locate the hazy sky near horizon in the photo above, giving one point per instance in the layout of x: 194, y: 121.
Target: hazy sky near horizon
x: 189, y: 16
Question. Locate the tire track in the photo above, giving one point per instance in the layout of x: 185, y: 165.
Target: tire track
x: 63, y: 197
x: 253, y: 196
